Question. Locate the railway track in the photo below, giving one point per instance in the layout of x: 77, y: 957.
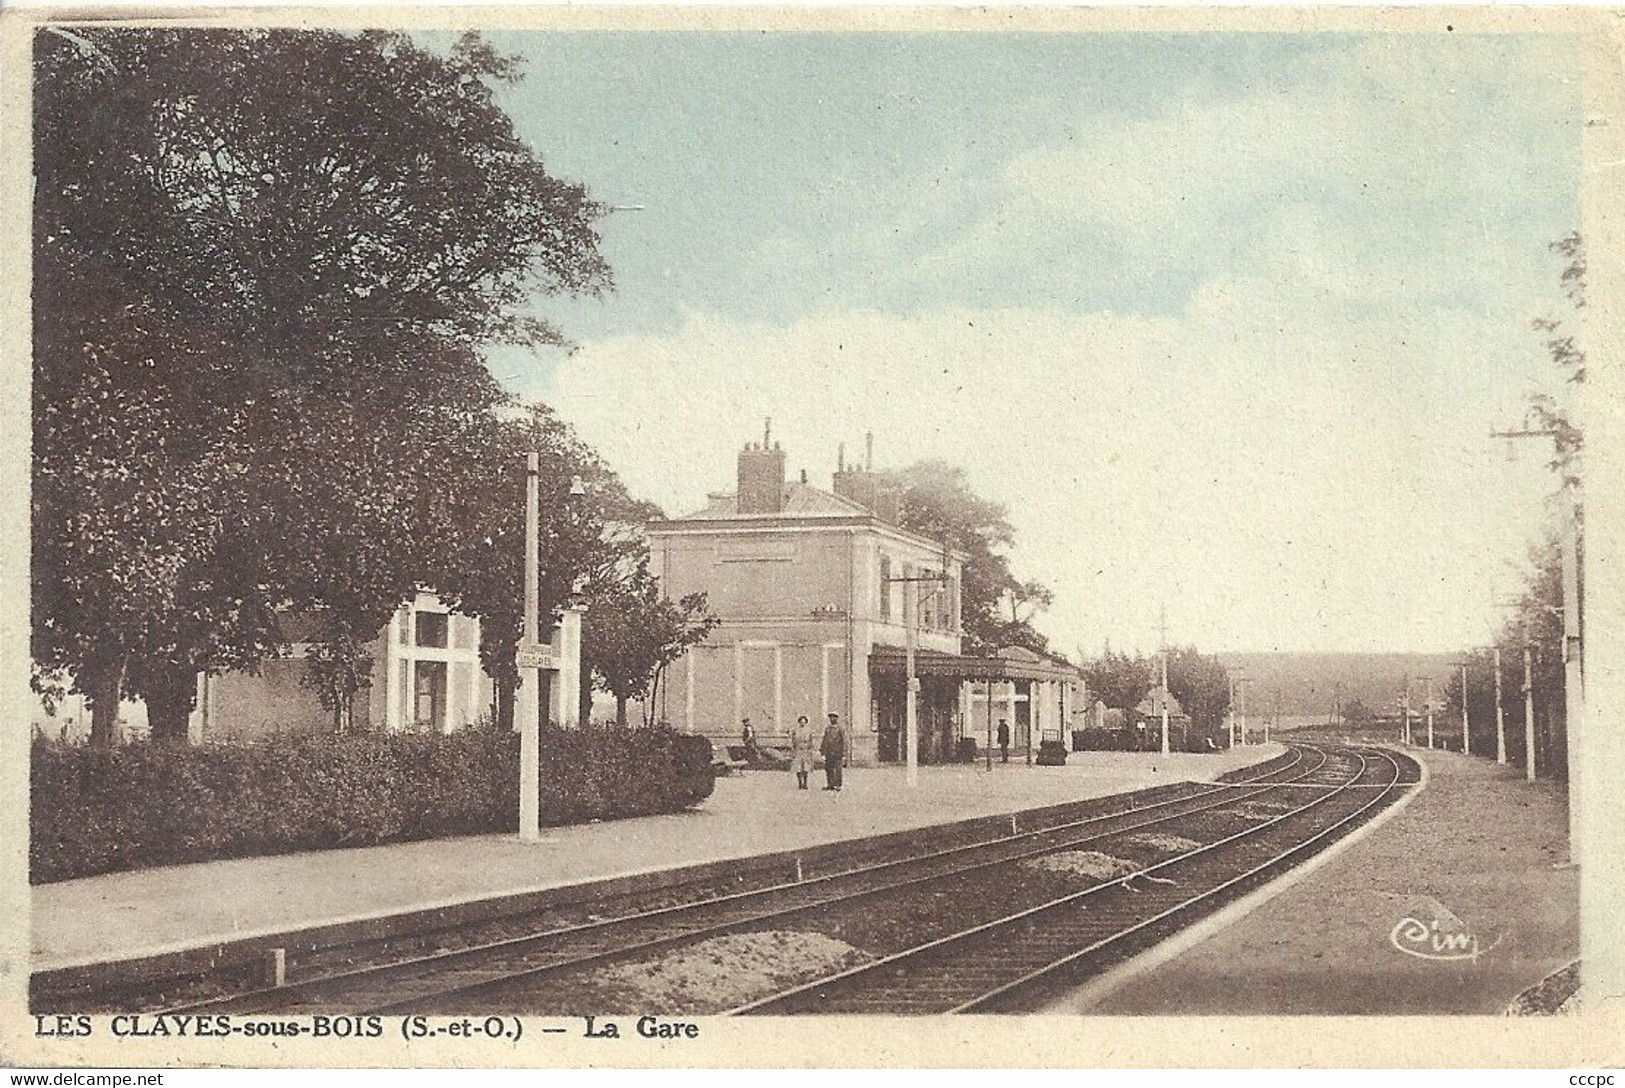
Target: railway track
x: 483, y: 975
x: 1016, y: 962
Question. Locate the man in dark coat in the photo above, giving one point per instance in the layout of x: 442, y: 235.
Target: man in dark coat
x: 1004, y: 740
x: 834, y: 749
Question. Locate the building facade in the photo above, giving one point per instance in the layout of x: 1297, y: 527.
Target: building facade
x: 426, y: 677
x: 814, y: 590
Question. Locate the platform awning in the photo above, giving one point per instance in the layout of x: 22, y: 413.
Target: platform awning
x: 892, y: 661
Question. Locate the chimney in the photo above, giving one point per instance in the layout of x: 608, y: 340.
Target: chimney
x: 803, y: 476
x: 761, y: 477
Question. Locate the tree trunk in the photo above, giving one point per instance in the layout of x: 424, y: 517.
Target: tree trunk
x: 584, y: 701
x: 504, y: 705
x: 170, y: 693
x: 104, y: 699
x: 620, y: 711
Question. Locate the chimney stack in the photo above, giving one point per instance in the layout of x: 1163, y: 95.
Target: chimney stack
x: 761, y: 477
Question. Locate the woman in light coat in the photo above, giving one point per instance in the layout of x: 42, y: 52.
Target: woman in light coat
x: 801, y: 751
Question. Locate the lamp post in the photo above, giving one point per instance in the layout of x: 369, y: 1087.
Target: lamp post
x: 911, y: 720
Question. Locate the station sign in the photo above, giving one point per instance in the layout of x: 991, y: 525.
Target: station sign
x: 535, y: 657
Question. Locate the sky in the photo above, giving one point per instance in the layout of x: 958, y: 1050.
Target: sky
x: 1223, y: 320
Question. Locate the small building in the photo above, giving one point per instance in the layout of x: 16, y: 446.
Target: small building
x: 814, y: 590
x: 426, y: 677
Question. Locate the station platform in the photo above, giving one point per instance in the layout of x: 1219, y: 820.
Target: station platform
x: 1475, y: 861
x: 165, y: 911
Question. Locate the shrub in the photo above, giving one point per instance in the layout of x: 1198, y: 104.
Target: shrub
x: 965, y: 750
x: 100, y: 810
x: 1102, y: 740
x: 1051, y: 753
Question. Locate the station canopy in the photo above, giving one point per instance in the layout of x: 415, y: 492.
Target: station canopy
x: 1011, y: 663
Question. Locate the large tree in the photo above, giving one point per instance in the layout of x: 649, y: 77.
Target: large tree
x: 1118, y: 679
x: 265, y: 264
x: 996, y: 608
x: 1201, y: 684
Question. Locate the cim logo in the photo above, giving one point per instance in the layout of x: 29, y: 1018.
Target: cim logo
x: 1430, y: 931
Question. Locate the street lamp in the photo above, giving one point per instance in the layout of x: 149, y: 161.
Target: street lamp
x: 911, y: 720
x: 532, y: 657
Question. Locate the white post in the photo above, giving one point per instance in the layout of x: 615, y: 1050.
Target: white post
x: 911, y: 721
x: 1466, y: 733
x: 1500, y: 715
x: 1528, y: 710
x: 528, y: 704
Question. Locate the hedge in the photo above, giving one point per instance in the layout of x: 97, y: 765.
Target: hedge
x: 101, y: 810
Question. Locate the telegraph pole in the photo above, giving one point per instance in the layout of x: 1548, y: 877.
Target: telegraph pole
x: 1573, y: 642
x: 1163, y: 698
x: 1241, y: 689
x: 1427, y: 704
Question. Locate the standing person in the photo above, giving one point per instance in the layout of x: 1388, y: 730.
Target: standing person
x: 801, y: 751
x: 1004, y: 741
x: 834, y: 749
x: 748, y: 739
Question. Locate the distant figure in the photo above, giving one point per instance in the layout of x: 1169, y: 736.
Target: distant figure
x: 834, y: 749
x: 801, y: 751
x: 1004, y: 741
x: 748, y: 739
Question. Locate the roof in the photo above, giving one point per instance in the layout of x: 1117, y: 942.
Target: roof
x: 800, y: 501
x: 891, y: 660
x: 803, y: 503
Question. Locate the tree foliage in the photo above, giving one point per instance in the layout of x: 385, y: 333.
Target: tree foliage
x: 996, y: 607
x: 1118, y: 679
x: 265, y: 264
x: 1201, y: 684
x: 633, y: 634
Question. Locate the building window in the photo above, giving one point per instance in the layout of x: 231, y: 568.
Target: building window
x: 429, y: 703
x: 431, y: 629
x: 885, y: 587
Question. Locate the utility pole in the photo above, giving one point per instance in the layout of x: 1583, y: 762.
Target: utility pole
x: 1230, y: 709
x: 1466, y: 733
x: 1528, y: 708
x: 1427, y: 705
x: 1500, y: 715
x: 1573, y: 641
x: 911, y: 715
x: 1241, y: 686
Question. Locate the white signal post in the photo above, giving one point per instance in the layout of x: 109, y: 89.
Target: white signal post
x: 528, y: 705
x: 1528, y: 708
x: 1500, y: 715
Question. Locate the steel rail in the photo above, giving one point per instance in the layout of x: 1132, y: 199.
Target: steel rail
x: 921, y: 954
x: 503, y: 979
x: 420, y: 967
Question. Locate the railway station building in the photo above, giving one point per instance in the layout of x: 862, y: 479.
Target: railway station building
x: 812, y: 591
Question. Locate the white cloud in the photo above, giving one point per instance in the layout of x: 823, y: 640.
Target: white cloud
x: 1297, y: 482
